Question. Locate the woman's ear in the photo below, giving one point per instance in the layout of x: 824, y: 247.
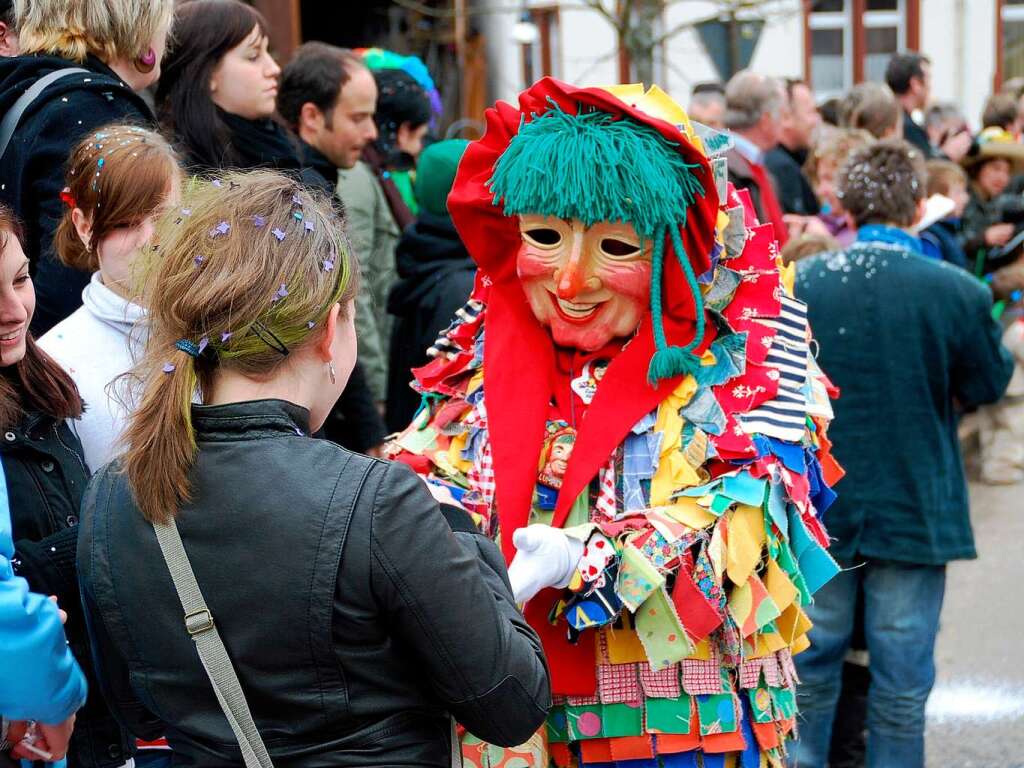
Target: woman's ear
x: 325, y: 346
x: 83, y: 226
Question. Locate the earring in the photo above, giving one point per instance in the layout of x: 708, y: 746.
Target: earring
x: 146, y: 63
x: 331, y: 372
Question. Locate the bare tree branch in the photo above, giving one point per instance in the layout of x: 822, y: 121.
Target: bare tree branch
x: 451, y: 13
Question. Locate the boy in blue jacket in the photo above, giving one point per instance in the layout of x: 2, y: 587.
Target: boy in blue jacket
x: 39, y: 678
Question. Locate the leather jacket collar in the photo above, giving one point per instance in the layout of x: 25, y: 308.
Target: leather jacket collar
x: 249, y: 420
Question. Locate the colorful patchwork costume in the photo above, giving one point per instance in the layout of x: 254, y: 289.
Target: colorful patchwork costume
x: 633, y: 370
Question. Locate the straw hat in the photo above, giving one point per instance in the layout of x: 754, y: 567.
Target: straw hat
x: 992, y: 143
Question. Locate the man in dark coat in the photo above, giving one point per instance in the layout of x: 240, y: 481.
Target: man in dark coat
x: 799, y: 119
x: 909, y: 75
x: 906, y: 364
x: 435, y: 275
x: 333, y: 123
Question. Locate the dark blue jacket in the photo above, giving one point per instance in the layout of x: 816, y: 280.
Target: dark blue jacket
x: 941, y: 239
x: 910, y: 342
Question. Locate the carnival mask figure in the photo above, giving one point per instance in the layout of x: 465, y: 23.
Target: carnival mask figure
x: 629, y: 391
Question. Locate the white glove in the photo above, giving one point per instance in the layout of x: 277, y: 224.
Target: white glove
x: 545, y: 557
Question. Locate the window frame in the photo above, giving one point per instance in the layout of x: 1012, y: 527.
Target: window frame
x: 855, y: 20
x: 1004, y: 13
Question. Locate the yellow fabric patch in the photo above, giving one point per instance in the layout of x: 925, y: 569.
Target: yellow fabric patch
x: 674, y: 472
x: 746, y: 542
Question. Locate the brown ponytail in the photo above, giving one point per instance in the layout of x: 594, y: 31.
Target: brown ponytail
x: 247, y: 271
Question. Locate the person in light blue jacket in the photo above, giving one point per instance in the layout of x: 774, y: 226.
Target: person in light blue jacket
x: 39, y: 678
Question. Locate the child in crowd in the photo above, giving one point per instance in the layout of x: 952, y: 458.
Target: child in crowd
x: 940, y: 239
x: 822, y: 168
x: 120, y: 180
x: 807, y: 245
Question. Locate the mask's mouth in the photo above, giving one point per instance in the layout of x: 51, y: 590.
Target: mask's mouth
x: 575, y: 312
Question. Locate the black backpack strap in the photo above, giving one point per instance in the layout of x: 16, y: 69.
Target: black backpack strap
x: 13, y: 116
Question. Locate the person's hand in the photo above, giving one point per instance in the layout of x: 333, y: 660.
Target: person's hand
x: 956, y: 146
x: 545, y: 557
x: 62, y: 612
x: 998, y: 234
x: 47, y: 742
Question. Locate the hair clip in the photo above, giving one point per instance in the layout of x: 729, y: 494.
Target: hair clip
x: 190, y: 348
x: 273, y: 342
x: 198, y: 260
x: 67, y: 198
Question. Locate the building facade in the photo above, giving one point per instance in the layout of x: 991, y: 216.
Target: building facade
x: 974, y: 45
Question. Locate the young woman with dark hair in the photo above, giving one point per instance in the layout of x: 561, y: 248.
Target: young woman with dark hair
x: 46, y: 476
x: 217, y: 99
x: 217, y: 94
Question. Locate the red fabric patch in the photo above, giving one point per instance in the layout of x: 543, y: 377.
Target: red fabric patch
x: 632, y: 748
x: 573, y: 671
x: 699, y: 617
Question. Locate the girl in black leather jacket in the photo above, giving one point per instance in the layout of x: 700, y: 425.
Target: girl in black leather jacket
x: 358, y: 615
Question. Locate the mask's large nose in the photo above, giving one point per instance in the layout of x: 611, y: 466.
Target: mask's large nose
x: 572, y: 276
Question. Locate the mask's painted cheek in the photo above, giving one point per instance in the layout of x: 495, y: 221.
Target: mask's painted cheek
x: 630, y: 279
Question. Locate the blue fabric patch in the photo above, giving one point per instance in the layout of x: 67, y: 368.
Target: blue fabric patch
x: 704, y: 412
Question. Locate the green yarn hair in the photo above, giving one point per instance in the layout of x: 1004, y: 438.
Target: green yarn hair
x: 595, y: 167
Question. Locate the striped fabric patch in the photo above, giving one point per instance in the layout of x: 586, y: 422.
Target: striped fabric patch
x: 784, y: 416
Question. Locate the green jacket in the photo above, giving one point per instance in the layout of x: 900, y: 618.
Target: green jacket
x: 374, y: 235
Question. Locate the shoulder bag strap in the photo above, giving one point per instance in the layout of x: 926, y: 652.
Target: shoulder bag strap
x: 13, y: 116
x: 212, y: 653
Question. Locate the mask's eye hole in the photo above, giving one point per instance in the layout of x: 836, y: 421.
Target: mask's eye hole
x: 619, y: 248
x: 543, y: 236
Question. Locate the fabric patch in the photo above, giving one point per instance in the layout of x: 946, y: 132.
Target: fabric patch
x: 702, y: 677
x: 638, y: 578
x: 751, y: 606
x: 662, y: 683
x: 622, y: 646
x: 618, y: 684
x: 661, y: 632
x: 717, y: 713
x: 620, y: 720
x: 584, y: 722
x: 668, y: 715
x: 761, y: 704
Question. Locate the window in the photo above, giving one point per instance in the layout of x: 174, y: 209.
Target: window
x: 849, y: 41
x: 1012, y: 25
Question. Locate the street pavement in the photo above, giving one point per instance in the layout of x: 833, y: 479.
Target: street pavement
x: 976, y: 711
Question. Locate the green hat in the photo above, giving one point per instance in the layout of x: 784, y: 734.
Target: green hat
x: 435, y: 174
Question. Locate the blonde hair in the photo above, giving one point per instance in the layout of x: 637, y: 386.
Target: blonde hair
x: 117, y: 176
x: 247, y: 271
x: 108, y: 29
x: 835, y: 148
x: 943, y: 175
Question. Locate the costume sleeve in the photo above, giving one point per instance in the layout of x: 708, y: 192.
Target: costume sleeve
x: 356, y: 194
x: 445, y: 589
x: 983, y: 366
x: 40, y: 678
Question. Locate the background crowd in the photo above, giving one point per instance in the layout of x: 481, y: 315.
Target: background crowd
x: 904, y: 223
